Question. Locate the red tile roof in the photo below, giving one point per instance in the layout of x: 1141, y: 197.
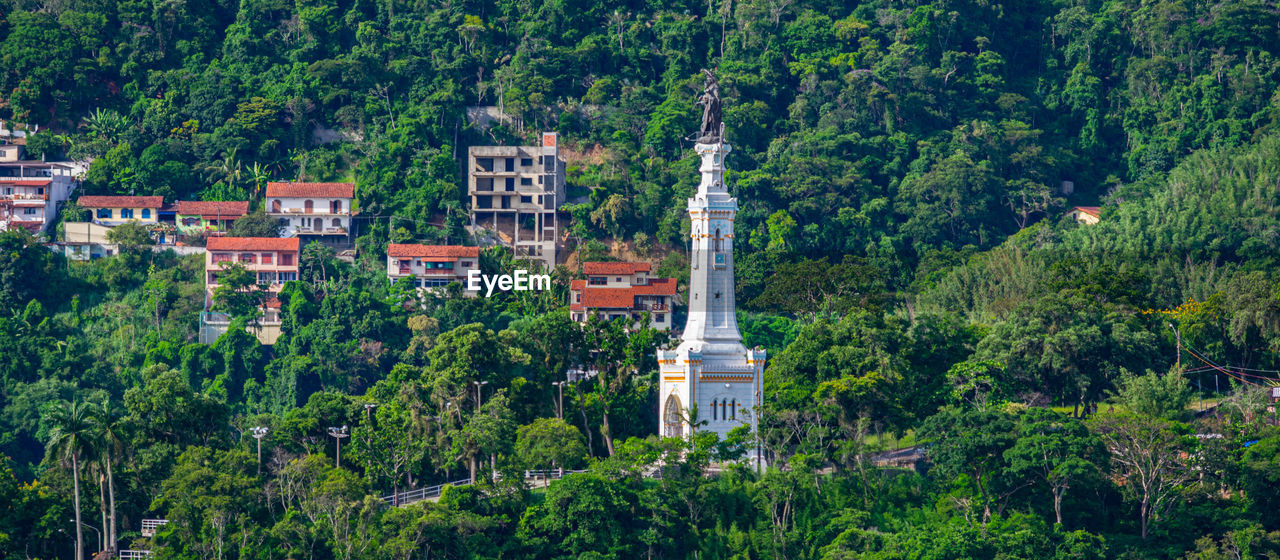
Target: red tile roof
x: 121, y: 201
x: 251, y: 244
x: 416, y: 250
x: 1095, y: 211
x: 26, y: 182
x: 330, y: 190
x: 627, y: 268
x: 657, y: 287
x: 619, y: 298
x: 213, y: 209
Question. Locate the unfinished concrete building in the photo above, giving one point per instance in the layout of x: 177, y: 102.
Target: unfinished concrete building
x: 515, y: 192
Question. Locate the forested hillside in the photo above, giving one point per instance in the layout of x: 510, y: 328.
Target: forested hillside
x: 1079, y: 391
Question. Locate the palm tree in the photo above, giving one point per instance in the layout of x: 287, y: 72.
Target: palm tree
x: 260, y: 176
x: 108, y: 430
x: 70, y: 438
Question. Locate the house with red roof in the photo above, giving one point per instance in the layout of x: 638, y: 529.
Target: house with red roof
x: 1087, y: 215
x: 273, y: 260
x: 318, y: 211
x: 117, y: 210
x: 195, y: 216
x: 616, y: 290
x: 432, y: 267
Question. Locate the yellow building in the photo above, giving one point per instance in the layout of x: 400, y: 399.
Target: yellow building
x: 116, y: 210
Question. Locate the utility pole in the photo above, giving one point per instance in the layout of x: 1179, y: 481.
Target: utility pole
x: 479, y: 397
x: 338, y: 434
x: 1177, y: 336
x: 258, y: 433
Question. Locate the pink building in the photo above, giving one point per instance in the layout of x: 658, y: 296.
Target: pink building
x: 274, y: 260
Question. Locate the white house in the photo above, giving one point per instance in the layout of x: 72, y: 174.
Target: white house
x: 615, y: 290
x: 432, y: 267
x: 31, y: 191
x: 317, y: 210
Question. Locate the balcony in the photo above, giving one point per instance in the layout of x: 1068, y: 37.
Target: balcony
x: 27, y: 196
x: 653, y: 307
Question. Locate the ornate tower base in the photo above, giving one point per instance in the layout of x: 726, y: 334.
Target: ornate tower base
x: 711, y: 381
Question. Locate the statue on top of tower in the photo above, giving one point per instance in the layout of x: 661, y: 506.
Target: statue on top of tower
x: 710, y: 133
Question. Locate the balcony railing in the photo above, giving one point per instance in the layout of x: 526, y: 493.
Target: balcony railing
x: 149, y: 526
x: 318, y: 210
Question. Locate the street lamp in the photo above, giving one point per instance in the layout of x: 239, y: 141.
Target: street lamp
x: 258, y: 433
x: 338, y: 434
x: 560, y: 405
x: 478, y: 385
x: 101, y: 545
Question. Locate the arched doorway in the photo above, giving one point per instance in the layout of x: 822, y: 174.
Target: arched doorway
x: 672, y: 421
x: 275, y: 206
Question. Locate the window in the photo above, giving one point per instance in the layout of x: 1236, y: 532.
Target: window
x: 248, y: 258
x: 286, y: 259
x: 617, y: 279
x: 221, y: 257
x: 597, y: 280
x: 525, y: 181
x: 713, y: 411
x: 465, y: 263
x: 126, y: 213
x: 266, y: 278
x: 435, y: 282
x: 526, y: 200
x: 577, y: 297
x: 337, y: 223
x: 660, y: 318
x: 733, y: 410
x: 29, y: 211
x: 485, y: 164
x: 275, y: 206
x: 146, y: 213
x: 511, y: 183
x: 283, y: 277
x: 40, y: 190
x: 526, y: 162
x: 308, y: 206
x: 719, y: 247
x: 268, y: 258
x: 511, y: 164
x: 103, y: 213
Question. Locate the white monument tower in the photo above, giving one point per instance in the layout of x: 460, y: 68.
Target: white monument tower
x: 711, y: 371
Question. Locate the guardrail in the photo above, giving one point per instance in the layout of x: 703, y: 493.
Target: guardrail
x: 133, y: 554
x: 413, y: 496
x: 552, y: 474
x: 149, y: 526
